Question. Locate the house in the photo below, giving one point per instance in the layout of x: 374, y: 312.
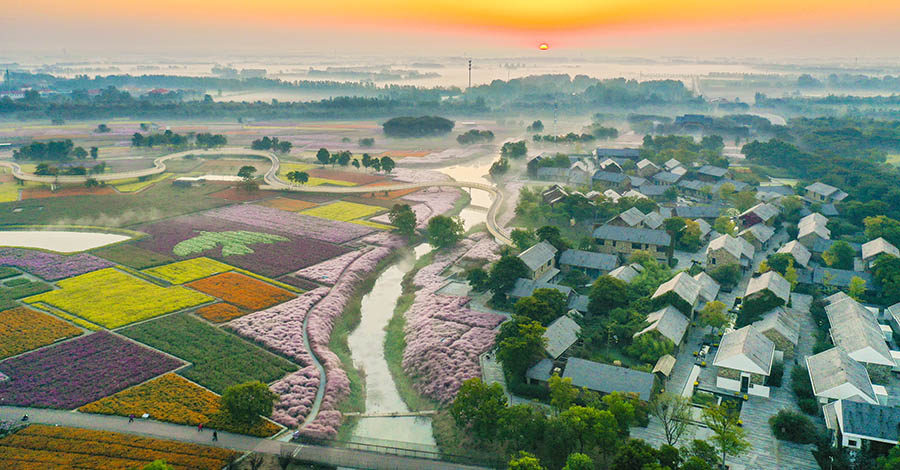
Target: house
x: 812, y: 228
x: 769, y: 281
x: 541, y: 372
x: 637, y: 181
x: 779, y: 327
x: 634, y: 194
x: 698, y: 211
x: 771, y: 193
x: 854, y: 422
x: 855, y: 330
x: 665, y: 178
x: 709, y: 288
x: 727, y: 249
x: 761, y: 213
x: 664, y: 366
x: 580, y: 173
x: 679, y: 170
x: 878, y: 246
x: 840, y: 278
x: 610, y: 179
x: 653, y: 192
x: 744, y: 360
x: 612, y: 195
x: 541, y: 261
x: 646, y: 168
x: 610, y: 166
x: 711, y: 173
x: 681, y: 285
x: 823, y: 193
x: 705, y: 229
x: 671, y: 164
x: 579, y: 303
x: 629, y: 218
x: 624, y: 241
x: 668, y: 322
x: 553, y: 195
x: 893, y: 315
x: 560, y: 335
x: 605, y: 379
x: 525, y: 287
x: 821, y: 246
x: 550, y: 173
x: 758, y: 235
x: 628, y: 272
x: 604, y: 153
x: 799, y: 252
x: 836, y: 376
x: 653, y: 220
x: 588, y: 262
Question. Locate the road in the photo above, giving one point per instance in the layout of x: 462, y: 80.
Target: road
x: 324, y: 455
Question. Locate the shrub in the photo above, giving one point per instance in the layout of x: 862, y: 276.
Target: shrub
x: 792, y: 426
x: 775, y: 375
x: 809, y: 406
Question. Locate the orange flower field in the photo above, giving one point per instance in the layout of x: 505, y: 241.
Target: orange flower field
x: 243, y: 291
x: 220, y: 313
x: 50, y: 448
x: 177, y: 400
x: 23, y: 329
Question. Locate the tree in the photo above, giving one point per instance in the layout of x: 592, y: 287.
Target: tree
x: 247, y: 171
x: 635, y: 455
x: 355, y: 163
x: 673, y: 411
x: 669, y: 456
x: 520, y: 344
x: 387, y: 164
x: 80, y: 153
x: 95, y: 152
x: 578, y: 461
x: 891, y: 461
x: 478, y: 279
x: 726, y: 274
x: 255, y: 460
x: 562, y: 393
x: 403, y: 217
x: 157, y: 465
x: 478, y: 408
x: 839, y: 255
x: 323, y: 156
x: 886, y: 271
x: 793, y: 426
x: 536, y: 126
x: 344, y: 158
x: 883, y: 226
x: 514, y: 149
x: 523, y: 426
x: 619, y: 405
x: 505, y: 272
x: 533, y: 309
x: 524, y: 461
x: 285, y: 146
x: 102, y: 129
x: 589, y: 428
x: 724, y: 225
x: 728, y: 436
x: 702, y: 451
x: 248, y: 401
x: 857, y: 288
x: 713, y: 315
x: 366, y: 142
x: 523, y: 239
x: 300, y: 177
x: 366, y: 160
x: 551, y: 235
x: 443, y: 231
x: 606, y: 294
x: 91, y: 183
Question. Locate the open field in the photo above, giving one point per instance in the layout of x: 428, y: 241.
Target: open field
x: 242, y: 291
x: 23, y: 329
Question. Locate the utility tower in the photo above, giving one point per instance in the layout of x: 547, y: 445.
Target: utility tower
x: 470, y: 73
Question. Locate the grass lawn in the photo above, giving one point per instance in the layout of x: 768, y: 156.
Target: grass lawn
x: 132, y: 256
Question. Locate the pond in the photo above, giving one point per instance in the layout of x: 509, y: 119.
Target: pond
x: 58, y: 240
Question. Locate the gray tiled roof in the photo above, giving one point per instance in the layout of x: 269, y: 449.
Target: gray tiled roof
x: 579, y: 303
x: 607, y: 379
x: 625, y: 273
x: 525, y: 287
x: 631, y: 217
x: 854, y: 328
x: 713, y: 171
x: 872, y: 421
x: 704, y: 227
x: 798, y: 251
x: 538, y: 255
x: 698, y: 212
x: 762, y: 233
x: 841, y: 277
x: 634, y: 235
x: 617, y: 153
x: 665, y: 364
x: 738, y: 247
x: 772, y: 281
x: 637, y: 180
x: 709, y: 288
x: 653, y: 220
x: 650, y: 190
x: 541, y: 371
x: 646, y: 164
x: 609, y: 177
x: 813, y: 223
x: 778, y: 320
x: 777, y: 189
x: 832, y: 368
x: 681, y: 284
x: 747, y: 350
x: 878, y: 246
x: 762, y: 210
x: 671, y: 163
x: 669, y: 322
x: 588, y: 260
x: 826, y: 190
x: 561, y: 334
x: 551, y: 173
x: 666, y: 177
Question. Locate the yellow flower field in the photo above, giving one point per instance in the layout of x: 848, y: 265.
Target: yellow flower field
x: 374, y: 225
x: 111, y: 298
x: 23, y: 329
x: 181, y: 272
x: 343, y: 211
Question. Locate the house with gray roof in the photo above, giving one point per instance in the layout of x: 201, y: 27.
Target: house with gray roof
x: 633, y: 217
x: 893, y: 315
x: 665, y: 177
x: 762, y: 213
x: 836, y: 376
x: 653, y: 220
x: 744, y: 360
x: 779, y: 327
x: 610, y: 178
x: 579, y: 303
x: 553, y: 194
x: 698, y: 211
x: 525, y: 287
x: 840, y: 278
x: 799, y: 252
x: 606, y: 379
x: 604, y: 153
x: 711, y: 173
x: 561, y: 334
x: 653, y: 192
x: 637, y: 181
x: 726, y: 249
x: 769, y: 281
x: 854, y: 423
x: 624, y: 241
x: 758, y: 235
x: 878, y: 246
x: 612, y: 195
x: 541, y: 372
x: 646, y: 168
x: 812, y: 228
x: 823, y: 193
x: 610, y: 165
x: 634, y: 193
x: 681, y: 285
x: 671, y: 163
x: 588, y: 262
x: 709, y: 288
x: 668, y: 322
x: 855, y: 330
x: 540, y: 259
x: 705, y: 229
x: 664, y: 365
x: 679, y: 171
x: 627, y: 272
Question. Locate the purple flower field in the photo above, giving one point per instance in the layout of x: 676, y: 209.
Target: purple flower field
x: 51, y: 266
x: 80, y: 371
x: 273, y: 260
x: 276, y: 220
x: 328, y: 272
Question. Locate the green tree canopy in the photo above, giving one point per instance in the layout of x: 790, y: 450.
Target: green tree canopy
x: 443, y: 231
x: 478, y: 407
x: 520, y: 344
x: 505, y: 272
x: 606, y: 294
x: 839, y: 255
x: 403, y: 217
x: 249, y: 401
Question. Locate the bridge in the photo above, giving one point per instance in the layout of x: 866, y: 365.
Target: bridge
x: 392, y: 414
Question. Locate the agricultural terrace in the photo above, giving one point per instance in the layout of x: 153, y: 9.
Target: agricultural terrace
x: 79, y: 371
x: 174, y: 399
x: 111, y: 298
x: 242, y: 291
x: 63, y: 448
x: 182, y: 272
x: 218, y: 359
x: 23, y: 329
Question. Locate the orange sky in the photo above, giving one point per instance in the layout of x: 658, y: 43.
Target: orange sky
x: 571, y: 22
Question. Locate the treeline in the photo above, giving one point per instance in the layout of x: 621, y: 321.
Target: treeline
x: 421, y: 126
x: 569, y: 138
x: 475, y: 136
x: 167, y: 138
x: 52, y: 150
x: 272, y: 143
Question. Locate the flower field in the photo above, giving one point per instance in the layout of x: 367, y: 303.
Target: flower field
x: 18, y: 288
x: 242, y: 291
x: 343, y: 211
x: 175, y: 399
x: 79, y: 371
x: 297, y: 224
x: 439, y: 200
x: 234, y: 242
x: 51, y: 266
x: 444, y: 337
x: 285, y: 204
x: 221, y: 312
x: 23, y: 329
x: 111, y: 298
x: 132, y: 256
x: 59, y: 447
x: 328, y: 272
x: 350, y: 178
x: 218, y: 359
x: 280, y: 329
x: 41, y: 193
x: 188, y: 270
x: 272, y: 260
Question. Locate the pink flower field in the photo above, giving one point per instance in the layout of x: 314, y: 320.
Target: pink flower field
x: 328, y: 272
x: 263, y: 217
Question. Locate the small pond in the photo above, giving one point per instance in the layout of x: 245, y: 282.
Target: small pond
x: 57, y: 240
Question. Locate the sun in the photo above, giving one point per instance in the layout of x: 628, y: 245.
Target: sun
x: 544, y: 46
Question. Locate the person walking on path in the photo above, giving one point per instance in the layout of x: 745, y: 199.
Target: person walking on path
x: 200, y: 427
x: 215, y: 436
x: 131, y: 418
